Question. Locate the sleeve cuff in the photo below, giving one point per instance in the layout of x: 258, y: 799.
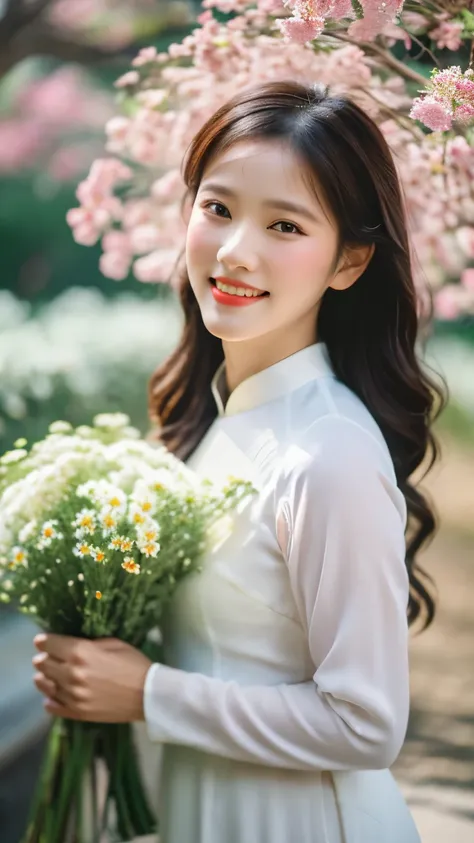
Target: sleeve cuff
x: 160, y: 695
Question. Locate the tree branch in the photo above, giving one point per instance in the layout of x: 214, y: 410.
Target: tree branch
x: 45, y: 41
x: 18, y: 16
x: 386, y: 57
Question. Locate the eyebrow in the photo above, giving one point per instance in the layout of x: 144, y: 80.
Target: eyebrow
x: 268, y: 203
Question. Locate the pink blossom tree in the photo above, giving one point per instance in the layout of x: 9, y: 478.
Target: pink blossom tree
x: 81, y: 31
x: 131, y: 200
x: 53, y: 120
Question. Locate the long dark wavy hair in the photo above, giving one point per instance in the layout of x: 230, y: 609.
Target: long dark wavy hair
x: 371, y: 329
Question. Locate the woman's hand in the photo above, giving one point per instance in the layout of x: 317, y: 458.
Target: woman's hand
x: 100, y: 681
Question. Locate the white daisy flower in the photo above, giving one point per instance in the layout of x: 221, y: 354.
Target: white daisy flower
x: 19, y: 557
x: 111, y: 420
x: 88, y: 490
x: 136, y: 515
x: 11, y: 457
x: 82, y: 549
x: 149, y: 548
x: 98, y: 555
x: 108, y: 521
x: 49, y: 531
x: 27, y: 531
x: 60, y: 427
x: 85, y: 521
x: 148, y: 532
x: 130, y: 565
x: 122, y: 543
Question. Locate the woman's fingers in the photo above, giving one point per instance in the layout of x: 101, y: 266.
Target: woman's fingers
x: 44, y: 685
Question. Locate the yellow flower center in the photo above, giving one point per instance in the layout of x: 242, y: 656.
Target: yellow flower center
x: 114, y: 501
x: 48, y: 532
x: 98, y: 594
x: 138, y: 518
x: 109, y: 521
x: 99, y: 556
x: 146, y: 506
x: 131, y: 567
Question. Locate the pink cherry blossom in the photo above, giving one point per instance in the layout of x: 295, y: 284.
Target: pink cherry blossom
x: 156, y: 267
x: 20, y: 140
x: 299, y: 30
x: 144, y: 238
x: 464, y: 113
x: 130, y: 78
x: 414, y: 22
x: 64, y: 99
x: 181, y: 88
x: 447, y: 35
x: 432, y: 113
x: 168, y: 186
x: 115, y: 265
x: 465, y: 238
x: 68, y: 162
x: 447, y: 303
x: 85, y: 234
x: 146, y: 55
x: 117, y: 241
x: 117, y: 129
x: 467, y: 279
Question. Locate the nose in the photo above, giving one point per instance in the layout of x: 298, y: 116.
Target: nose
x: 238, y: 252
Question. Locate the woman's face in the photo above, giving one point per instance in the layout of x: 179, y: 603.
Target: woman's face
x: 241, y: 228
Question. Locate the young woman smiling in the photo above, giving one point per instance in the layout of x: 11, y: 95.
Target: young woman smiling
x: 285, y: 695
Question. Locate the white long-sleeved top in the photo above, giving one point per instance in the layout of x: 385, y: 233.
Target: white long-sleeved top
x: 290, y: 649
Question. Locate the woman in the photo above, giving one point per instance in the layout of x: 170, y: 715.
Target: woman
x: 285, y: 697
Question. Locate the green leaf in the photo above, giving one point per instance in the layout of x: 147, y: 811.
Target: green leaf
x: 467, y: 19
x: 356, y: 5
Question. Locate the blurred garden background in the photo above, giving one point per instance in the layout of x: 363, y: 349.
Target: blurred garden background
x: 74, y: 342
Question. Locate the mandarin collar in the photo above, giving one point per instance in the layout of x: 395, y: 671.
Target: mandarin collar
x: 285, y: 376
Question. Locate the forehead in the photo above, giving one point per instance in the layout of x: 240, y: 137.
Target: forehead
x: 260, y: 166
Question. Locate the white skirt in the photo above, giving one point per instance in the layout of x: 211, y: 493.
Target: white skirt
x: 208, y: 799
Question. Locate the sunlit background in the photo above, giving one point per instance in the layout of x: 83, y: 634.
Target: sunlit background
x: 73, y: 343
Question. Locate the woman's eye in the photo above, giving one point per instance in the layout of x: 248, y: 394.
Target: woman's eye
x: 292, y: 225
x: 217, y: 204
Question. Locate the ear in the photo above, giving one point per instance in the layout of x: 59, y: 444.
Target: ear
x: 353, y: 263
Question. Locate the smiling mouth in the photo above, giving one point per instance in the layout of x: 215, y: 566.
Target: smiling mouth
x: 240, y: 292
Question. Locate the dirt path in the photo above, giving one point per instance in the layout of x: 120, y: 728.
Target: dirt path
x: 436, y: 766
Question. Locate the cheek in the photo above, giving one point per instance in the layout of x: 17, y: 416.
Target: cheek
x: 306, y: 261
x: 199, y: 242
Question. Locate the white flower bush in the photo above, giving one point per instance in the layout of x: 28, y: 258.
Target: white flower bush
x: 80, y: 355
x: 85, y: 355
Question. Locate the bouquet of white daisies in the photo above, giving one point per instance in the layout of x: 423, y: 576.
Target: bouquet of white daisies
x: 97, y: 528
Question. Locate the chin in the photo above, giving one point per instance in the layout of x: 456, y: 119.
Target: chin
x: 227, y: 333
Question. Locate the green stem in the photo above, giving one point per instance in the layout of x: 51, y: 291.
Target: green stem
x: 95, y: 811
x: 125, y: 825
x: 80, y: 748
x: 145, y: 821
x: 50, y: 767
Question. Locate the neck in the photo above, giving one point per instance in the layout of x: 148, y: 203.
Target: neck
x: 247, y: 358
